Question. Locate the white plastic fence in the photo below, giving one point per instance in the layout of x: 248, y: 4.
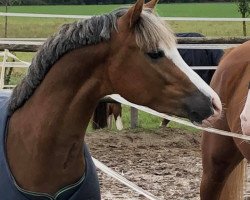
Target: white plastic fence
x: 89, y: 16
x: 40, y: 41
x: 5, y: 64
x: 22, y: 64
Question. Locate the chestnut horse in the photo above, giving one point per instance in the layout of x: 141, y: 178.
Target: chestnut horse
x: 130, y: 52
x: 222, y: 157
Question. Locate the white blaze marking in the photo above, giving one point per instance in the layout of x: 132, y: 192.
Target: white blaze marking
x: 176, y: 58
x: 118, y: 123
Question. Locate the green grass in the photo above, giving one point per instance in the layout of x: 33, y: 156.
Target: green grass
x: 145, y: 121
x: 198, y: 10
x: 43, y: 27
x: 65, y: 10
x: 168, y: 10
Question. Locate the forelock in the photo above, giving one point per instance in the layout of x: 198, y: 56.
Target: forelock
x: 150, y: 31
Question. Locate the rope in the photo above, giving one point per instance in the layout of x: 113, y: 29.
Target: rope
x: 118, y: 98
x: 131, y: 185
x: 123, y: 180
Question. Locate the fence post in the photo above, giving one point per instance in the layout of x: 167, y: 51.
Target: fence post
x: 5, y: 57
x: 133, y: 117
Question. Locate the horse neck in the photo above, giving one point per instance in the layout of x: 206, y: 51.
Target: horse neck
x: 53, y: 121
x: 231, y: 81
x: 237, y: 100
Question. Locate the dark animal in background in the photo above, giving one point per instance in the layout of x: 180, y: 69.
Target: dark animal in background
x: 99, y: 119
x: 104, y: 114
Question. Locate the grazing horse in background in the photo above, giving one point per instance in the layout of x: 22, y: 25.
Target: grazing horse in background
x: 43, y: 122
x: 104, y: 113
x: 193, y: 57
x: 222, y: 157
x: 115, y: 109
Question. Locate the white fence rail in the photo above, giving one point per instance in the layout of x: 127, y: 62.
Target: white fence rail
x: 6, y: 64
x: 22, y: 64
x: 89, y: 16
x: 40, y: 41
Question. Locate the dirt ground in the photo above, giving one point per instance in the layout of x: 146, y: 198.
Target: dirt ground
x: 165, y: 162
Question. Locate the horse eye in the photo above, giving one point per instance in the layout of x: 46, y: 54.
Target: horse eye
x: 156, y: 55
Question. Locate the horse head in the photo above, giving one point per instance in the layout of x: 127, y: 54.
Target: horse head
x: 147, y: 69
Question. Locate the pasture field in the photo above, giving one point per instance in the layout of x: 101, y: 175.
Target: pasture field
x: 43, y: 27
x: 167, y: 10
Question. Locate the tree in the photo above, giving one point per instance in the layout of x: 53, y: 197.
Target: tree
x: 7, y: 3
x: 244, y: 9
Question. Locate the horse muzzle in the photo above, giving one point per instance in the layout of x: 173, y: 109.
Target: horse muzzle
x: 200, y: 108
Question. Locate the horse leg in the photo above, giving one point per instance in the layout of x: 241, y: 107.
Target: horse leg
x: 164, y: 123
x: 109, y: 121
x: 117, y: 112
x: 100, y: 116
x: 220, y: 156
x: 118, y: 122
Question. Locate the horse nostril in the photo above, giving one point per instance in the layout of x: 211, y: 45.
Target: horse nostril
x: 195, y: 117
x: 199, y: 107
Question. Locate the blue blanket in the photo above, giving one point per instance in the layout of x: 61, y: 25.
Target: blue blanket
x: 87, y: 188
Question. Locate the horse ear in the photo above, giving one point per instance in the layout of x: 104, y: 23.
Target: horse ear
x: 151, y: 4
x: 133, y: 14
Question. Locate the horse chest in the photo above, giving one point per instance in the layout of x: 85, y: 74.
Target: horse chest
x: 85, y: 189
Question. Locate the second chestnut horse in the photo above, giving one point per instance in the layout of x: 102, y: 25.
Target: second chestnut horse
x: 222, y: 157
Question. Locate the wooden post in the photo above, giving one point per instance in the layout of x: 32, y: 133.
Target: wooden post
x: 134, y: 117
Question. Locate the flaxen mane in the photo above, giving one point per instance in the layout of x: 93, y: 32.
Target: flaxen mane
x: 149, y: 31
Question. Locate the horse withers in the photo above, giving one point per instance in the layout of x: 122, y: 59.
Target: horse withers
x: 222, y: 157
x: 130, y: 52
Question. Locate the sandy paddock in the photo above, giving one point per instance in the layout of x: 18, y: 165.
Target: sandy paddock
x: 166, y: 162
